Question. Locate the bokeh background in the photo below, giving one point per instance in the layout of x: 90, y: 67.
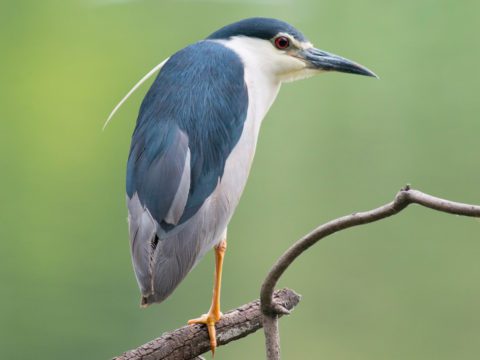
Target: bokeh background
x: 405, y: 288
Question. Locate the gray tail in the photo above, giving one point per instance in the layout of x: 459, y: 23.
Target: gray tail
x: 160, y: 263
x: 169, y: 263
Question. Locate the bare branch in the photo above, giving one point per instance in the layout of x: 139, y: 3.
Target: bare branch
x: 405, y: 197
x: 190, y: 341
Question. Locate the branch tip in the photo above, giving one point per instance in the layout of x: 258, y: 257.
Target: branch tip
x: 189, y: 342
x: 403, y: 198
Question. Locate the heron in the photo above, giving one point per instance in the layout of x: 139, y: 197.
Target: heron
x: 194, y: 142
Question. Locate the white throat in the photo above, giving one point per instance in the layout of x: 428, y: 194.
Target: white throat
x: 261, y: 82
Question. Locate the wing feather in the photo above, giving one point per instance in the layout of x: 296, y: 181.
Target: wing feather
x: 189, y: 122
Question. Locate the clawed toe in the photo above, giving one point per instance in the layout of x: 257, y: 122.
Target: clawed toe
x: 210, y: 320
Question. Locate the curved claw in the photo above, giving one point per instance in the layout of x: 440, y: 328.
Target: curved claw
x: 210, y: 320
x: 212, y: 334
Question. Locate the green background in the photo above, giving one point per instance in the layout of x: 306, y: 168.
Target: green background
x: 405, y: 288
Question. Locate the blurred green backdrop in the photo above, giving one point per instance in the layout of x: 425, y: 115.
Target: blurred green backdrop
x: 405, y: 288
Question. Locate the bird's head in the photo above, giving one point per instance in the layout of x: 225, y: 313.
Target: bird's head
x: 281, y: 51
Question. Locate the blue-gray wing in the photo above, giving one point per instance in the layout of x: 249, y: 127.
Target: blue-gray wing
x: 189, y: 122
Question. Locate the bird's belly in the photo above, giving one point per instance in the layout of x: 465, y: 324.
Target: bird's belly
x: 216, y: 212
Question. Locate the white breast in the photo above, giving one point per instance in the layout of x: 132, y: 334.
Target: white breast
x: 262, y: 91
x: 213, y: 217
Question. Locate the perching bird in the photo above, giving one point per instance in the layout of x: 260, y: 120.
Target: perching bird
x: 194, y: 143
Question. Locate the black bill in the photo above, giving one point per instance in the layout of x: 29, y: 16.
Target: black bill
x: 323, y: 60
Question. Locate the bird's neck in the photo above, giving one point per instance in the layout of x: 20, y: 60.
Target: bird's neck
x: 261, y: 82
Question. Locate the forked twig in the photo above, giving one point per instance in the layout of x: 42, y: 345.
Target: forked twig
x: 406, y: 196
x: 190, y: 341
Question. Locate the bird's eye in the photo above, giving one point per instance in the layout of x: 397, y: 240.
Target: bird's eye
x: 282, y: 42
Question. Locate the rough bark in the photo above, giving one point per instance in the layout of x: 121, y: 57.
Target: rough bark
x: 190, y: 341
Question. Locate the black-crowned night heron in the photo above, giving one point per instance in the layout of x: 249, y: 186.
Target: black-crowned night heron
x: 194, y: 143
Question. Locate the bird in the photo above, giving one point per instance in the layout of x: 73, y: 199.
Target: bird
x: 194, y: 142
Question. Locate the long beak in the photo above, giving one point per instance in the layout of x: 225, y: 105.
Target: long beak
x: 322, y: 60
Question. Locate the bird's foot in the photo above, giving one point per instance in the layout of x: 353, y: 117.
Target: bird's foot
x: 210, y: 320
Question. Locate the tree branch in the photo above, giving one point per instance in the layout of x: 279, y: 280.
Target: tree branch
x: 190, y: 341
x: 271, y: 309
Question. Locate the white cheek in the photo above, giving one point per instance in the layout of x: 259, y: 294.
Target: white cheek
x: 299, y: 75
x: 289, y: 68
x: 275, y: 66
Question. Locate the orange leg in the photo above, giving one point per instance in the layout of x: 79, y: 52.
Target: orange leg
x: 214, y: 314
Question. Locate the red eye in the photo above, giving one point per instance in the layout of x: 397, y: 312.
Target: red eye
x: 282, y: 42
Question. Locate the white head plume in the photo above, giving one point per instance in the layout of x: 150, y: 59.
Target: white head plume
x: 132, y: 90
